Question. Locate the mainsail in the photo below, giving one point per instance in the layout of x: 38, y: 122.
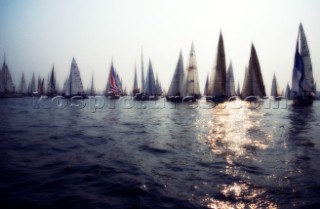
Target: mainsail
x: 150, y: 84
x: 217, y: 85
x: 176, y: 86
x: 74, y: 82
x: 192, y: 76
x: 302, y: 78
x: 230, y: 87
x: 253, y: 82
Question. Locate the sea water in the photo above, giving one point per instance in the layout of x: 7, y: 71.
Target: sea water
x: 100, y: 153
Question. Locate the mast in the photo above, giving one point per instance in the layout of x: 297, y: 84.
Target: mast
x: 192, y: 75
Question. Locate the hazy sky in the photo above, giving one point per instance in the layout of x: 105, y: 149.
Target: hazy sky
x: 35, y: 34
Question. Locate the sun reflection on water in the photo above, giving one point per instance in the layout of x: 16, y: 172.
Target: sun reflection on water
x: 236, y: 136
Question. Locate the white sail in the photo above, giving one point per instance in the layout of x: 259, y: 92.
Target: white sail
x: 150, y: 85
x: 75, y: 83
x: 230, y: 87
x: 23, y: 86
x: 217, y: 83
x: 176, y: 86
x: 192, y: 82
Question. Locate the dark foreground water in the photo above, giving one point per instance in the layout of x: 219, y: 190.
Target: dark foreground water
x: 153, y: 156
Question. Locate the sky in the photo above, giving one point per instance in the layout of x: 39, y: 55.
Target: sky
x: 37, y: 34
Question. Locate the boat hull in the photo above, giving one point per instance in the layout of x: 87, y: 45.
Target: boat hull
x: 305, y: 101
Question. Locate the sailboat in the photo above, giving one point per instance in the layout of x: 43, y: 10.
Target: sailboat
x: 23, y: 86
x: 230, y: 87
x: 275, y: 92
x: 206, y: 86
x: 113, y: 90
x: 253, y: 85
x: 73, y: 85
x: 150, y: 90
x: 192, y: 82
x: 136, y: 89
x: 7, y: 88
x: 175, y: 92
x: 41, y: 89
x: 217, y: 84
x: 141, y: 96
x: 92, y: 91
x: 52, y: 86
x: 287, y: 94
x: 303, y: 89
x: 238, y: 93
